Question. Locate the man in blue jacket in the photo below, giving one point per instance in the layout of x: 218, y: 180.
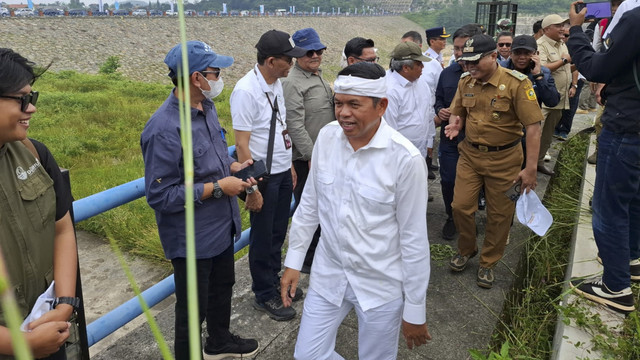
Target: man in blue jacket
x: 216, y: 213
x: 616, y: 194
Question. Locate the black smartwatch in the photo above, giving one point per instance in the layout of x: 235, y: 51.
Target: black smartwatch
x: 217, y: 190
x: 565, y: 61
x: 73, y: 301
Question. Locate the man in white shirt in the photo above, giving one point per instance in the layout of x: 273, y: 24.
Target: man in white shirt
x: 254, y: 101
x: 410, y: 101
x: 430, y: 75
x: 367, y: 191
x: 437, y: 41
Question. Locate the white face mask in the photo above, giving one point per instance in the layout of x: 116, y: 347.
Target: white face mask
x: 215, y: 88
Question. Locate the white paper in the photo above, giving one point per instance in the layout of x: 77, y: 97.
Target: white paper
x: 533, y: 214
x: 42, y: 306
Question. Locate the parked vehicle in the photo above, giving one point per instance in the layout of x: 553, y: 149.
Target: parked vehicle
x: 121, y: 12
x: 139, y: 12
x: 77, y: 12
x: 155, y: 12
x: 99, y: 13
x: 190, y: 13
x: 52, y: 12
x: 171, y: 13
x: 24, y: 12
x: 4, y: 12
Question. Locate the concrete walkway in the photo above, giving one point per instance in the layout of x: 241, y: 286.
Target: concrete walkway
x: 460, y: 315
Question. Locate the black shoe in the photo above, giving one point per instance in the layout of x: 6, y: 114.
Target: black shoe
x: 236, y: 347
x: 545, y: 170
x: 634, y: 268
x: 449, y: 229
x: 431, y: 175
x: 595, y: 290
x: 298, y: 295
x: 275, y: 309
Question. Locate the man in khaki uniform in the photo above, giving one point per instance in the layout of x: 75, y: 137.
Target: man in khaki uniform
x: 555, y: 56
x: 492, y: 104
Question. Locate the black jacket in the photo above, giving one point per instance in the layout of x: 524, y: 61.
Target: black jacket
x: 545, y: 88
x: 615, y: 69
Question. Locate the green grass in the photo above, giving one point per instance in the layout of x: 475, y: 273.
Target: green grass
x: 531, y: 310
x: 92, y: 125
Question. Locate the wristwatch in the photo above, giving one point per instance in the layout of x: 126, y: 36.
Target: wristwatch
x: 539, y: 76
x: 565, y: 61
x: 251, y: 189
x: 575, y: 86
x: 217, y: 190
x: 73, y: 301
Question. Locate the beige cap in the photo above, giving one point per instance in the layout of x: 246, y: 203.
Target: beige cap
x: 552, y: 19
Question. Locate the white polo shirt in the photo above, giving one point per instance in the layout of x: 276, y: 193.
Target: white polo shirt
x: 251, y: 111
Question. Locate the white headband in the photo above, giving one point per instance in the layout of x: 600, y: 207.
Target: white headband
x: 353, y: 85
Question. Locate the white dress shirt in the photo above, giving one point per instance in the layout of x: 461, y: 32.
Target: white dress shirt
x: 371, y: 205
x: 434, y: 55
x: 251, y: 111
x: 410, y: 110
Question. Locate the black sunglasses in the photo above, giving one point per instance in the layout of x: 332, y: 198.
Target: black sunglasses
x: 504, y: 44
x: 318, y: 52
x: 372, y: 60
x: 215, y: 72
x: 25, y: 100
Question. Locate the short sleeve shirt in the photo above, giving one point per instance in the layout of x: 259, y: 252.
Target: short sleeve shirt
x: 550, y: 51
x: 496, y: 110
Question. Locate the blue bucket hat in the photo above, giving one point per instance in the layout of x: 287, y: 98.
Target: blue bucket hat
x: 200, y: 56
x: 308, y: 39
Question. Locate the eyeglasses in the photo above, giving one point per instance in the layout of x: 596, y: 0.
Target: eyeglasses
x: 476, y: 62
x: 372, y: 60
x: 288, y: 59
x: 317, y: 52
x: 504, y: 44
x: 25, y: 100
x: 214, y: 72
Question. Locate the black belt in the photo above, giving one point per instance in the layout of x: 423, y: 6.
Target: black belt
x: 486, y: 148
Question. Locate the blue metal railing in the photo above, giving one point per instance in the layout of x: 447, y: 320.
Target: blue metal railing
x: 118, y: 317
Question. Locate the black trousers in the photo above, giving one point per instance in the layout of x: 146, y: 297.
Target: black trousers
x: 302, y: 171
x: 215, y: 278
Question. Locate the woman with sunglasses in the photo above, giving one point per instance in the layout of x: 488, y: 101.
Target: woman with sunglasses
x: 38, y: 243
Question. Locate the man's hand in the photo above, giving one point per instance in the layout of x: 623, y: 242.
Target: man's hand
x: 61, y: 313
x: 254, y: 201
x: 444, y: 114
x: 236, y: 166
x: 415, y: 335
x: 576, y: 18
x: 566, y: 56
x: 437, y: 121
x: 47, y: 338
x: 599, y: 94
x: 453, y: 128
x: 294, y: 177
x: 536, y: 61
x: 528, y: 178
x: 289, y: 281
x: 232, y: 186
x: 572, y: 91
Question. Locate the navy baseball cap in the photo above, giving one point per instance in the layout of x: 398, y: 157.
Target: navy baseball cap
x: 308, y: 38
x: 200, y: 56
x: 275, y: 42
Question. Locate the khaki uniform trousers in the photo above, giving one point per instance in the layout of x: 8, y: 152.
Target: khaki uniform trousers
x: 496, y: 171
x: 551, y: 119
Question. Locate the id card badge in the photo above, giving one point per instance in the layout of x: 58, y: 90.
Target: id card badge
x: 287, y: 139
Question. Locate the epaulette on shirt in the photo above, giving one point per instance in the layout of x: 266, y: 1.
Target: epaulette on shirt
x: 518, y: 75
x: 464, y: 74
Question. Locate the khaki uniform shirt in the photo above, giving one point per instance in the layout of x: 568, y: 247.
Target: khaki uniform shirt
x: 27, y: 224
x: 308, y: 98
x: 496, y: 110
x: 550, y: 51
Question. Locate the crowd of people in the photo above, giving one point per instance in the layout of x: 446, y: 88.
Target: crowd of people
x: 356, y: 158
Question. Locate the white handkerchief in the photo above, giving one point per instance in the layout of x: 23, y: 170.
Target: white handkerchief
x: 42, y: 306
x: 533, y: 214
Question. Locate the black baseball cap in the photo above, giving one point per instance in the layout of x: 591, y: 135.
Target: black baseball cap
x: 477, y: 46
x: 275, y: 42
x: 527, y: 42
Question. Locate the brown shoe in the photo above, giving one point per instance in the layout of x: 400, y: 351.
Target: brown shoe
x: 545, y: 170
x: 592, y: 158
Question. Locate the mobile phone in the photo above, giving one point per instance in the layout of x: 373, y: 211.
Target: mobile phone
x: 595, y: 10
x: 255, y: 170
x: 514, y: 191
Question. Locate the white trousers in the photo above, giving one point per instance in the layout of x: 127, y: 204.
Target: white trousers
x: 378, y: 328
